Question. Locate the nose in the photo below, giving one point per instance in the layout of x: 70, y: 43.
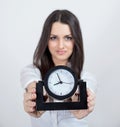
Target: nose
x: 61, y: 43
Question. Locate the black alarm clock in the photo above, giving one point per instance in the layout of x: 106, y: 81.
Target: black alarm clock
x: 61, y: 83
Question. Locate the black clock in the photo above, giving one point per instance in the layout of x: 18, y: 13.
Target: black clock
x: 61, y: 83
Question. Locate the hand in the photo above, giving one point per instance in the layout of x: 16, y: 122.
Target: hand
x: 58, y: 77
x: 57, y: 83
x: 90, y: 102
x: 29, y: 101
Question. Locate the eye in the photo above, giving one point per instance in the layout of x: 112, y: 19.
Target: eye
x: 68, y: 38
x: 53, y: 38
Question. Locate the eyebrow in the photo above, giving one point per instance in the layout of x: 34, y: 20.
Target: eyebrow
x: 65, y: 35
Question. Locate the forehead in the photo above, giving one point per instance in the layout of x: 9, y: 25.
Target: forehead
x: 59, y: 28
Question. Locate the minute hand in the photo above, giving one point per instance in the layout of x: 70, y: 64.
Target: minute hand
x: 67, y: 82
x: 59, y: 77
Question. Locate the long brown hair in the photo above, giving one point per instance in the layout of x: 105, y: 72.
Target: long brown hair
x: 42, y: 58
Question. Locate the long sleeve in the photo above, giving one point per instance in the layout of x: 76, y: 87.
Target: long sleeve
x: 29, y: 74
x: 90, y: 81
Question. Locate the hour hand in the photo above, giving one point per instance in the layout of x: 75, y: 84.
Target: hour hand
x: 56, y: 83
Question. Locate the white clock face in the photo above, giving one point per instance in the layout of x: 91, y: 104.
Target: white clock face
x: 61, y: 82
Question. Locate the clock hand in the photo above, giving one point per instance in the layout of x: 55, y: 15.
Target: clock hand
x: 67, y: 82
x: 60, y: 82
x: 59, y: 77
x: 56, y: 83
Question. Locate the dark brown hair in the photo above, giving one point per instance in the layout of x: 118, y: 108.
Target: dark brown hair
x: 42, y: 58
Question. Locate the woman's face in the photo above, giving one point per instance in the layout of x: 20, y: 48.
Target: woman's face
x: 60, y: 43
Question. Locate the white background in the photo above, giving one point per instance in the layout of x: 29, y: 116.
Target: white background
x: 21, y: 22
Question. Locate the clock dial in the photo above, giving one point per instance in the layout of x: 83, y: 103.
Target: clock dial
x: 60, y: 82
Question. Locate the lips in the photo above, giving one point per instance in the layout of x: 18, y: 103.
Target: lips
x: 61, y: 52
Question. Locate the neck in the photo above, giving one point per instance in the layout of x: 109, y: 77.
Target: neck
x: 64, y: 63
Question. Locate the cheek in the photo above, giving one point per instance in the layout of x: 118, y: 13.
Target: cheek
x: 71, y: 47
x: 51, y: 46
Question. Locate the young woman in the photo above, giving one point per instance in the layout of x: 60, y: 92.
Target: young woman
x: 60, y: 44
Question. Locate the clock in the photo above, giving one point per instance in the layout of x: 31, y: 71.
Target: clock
x: 60, y: 82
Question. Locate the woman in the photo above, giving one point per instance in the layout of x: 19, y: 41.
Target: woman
x: 60, y: 44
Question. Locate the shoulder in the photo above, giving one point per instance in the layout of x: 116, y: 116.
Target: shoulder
x: 30, y: 68
x: 90, y: 80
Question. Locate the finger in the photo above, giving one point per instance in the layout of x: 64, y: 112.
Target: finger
x: 91, y: 95
x: 90, y: 98
x: 31, y: 87
x: 75, y: 97
x: 91, y: 104
x: 90, y: 109
x: 29, y: 106
x: 89, y: 92
x: 30, y: 103
x: 29, y: 96
x: 31, y: 90
x: 29, y: 109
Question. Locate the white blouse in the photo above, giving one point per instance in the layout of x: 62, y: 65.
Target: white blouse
x: 61, y: 118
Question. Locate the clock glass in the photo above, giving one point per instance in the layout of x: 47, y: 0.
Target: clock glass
x: 60, y: 82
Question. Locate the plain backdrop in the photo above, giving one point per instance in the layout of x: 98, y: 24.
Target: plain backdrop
x: 21, y: 23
